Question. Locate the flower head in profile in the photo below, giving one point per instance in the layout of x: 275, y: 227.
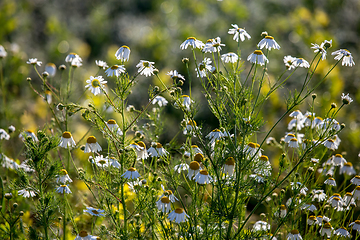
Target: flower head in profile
x: 34, y: 61
x: 342, y: 232
x: 157, y: 151
x: 169, y: 194
x: 239, y: 33
x: 123, y: 53
x: 178, y: 215
x: 131, y: 173
x: 96, y: 84
x: 257, y: 57
x: 161, y: 101
x: 67, y: 140
x: 76, y: 62
x: 51, y: 69
x: 163, y: 204
x: 268, y: 42
x: 322, y: 48
x: 115, y: 70
x: 140, y: 149
x: 294, y: 235
x: 146, y: 68
x: 203, y: 68
x: 28, y: 133
x: 346, y: 57
x: 63, y: 189
x: 63, y: 177
x: 4, y: 134
x: 72, y: 56
x: 288, y: 61
x: 213, y: 45
x: 346, y: 99
x: 300, y: 62
x: 193, y: 42
x: 203, y: 177
x: 194, y: 168
x: 113, y: 126
x: 83, y: 235
x: 185, y: 102
x: 94, y: 212
x: 3, y: 52
x: 101, y: 64
x: 229, y: 166
x: 175, y: 75
x: 92, y: 145
x: 26, y: 193
x: 230, y: 57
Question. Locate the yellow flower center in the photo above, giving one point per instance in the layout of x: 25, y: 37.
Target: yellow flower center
x: 294, y: 231
x: 293, y: 140
x: 83, y: 233
x: 336, y: 195
x: 165, y: 199
x: 338, y: 155
x: 94, y: 211
x: 179, y: 210
x: 312, y: 217
x: 357, y: 177
x: 141, y: 144
x: 269, y: 37
x: 204, y: 172
x: 91, y: 139
x: 158, y: 145
x: 191, y: 38
x: 114, y: 67
x: 124, y: 46
x: 291, y: 135
x: 330, y: 178
x: 282, y: 207
x: 348, y: 164
x: 357, y: 188
x: 111, y: 121
x: 168, y: 192
x: 66, y: 135
x: 201, y: 66
x: 198, y: 157
x: 146, y: 64
x: 95, y: 83
x: 357, y: 221
x: 216, y: 130
x: 102, y: 162
x: 63, y: 186
x: 194, y: 146
x: 264, y: 158
x: 230, y: 161
x: 132, y: 169
x: 63, y: 172
x: 192, y: 123
x: 327, y: 225
x: 252, y: 145
x: 258, y: 52
x: 194, y: 165
x: 349, y: 194
x: 185, y: 96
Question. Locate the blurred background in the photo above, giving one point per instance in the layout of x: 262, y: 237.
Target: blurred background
x: 51, y: 29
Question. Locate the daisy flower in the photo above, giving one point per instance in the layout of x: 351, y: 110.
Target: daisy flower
x: 294, y: 235
x: 342, y: 232
x: 157, y: 151
x: 101, y: 161
x: 76, y: 62
x: 346, y: 57
x: 92, y: 145
x: 101, y: 64
x: 348, y: 200
x: 203, y: 68
x: 319, y: 195
x: 230, y: 57
x: 51, y: 69
x: 123, y: 53
x: 338, y: 160
x: 169, y: 194
x: 322, y: 48
x: 178, y: 215
x: 348, y: 169
x: 181, y: 167
x: 214, y: 135
x: 356, y: 193
x: 194, y: 168
x: 63, y: 177
x: 115, y: 70
x: 96, y: 84
x: 34, y: 61
x: 300, y: 62
x: 63, y: 189
x: 330, y: 181
x: 355, y: 225
x: 71, y: 56
x: 161, y: 101
x: 229, y: 166
x: 131, y: 173
x: 163, y: 204
x: 326, y: 229
x: 114, y: 163
x: 94, y: 212
x: 293, y: 143
x: 261, y: 226
x: 356, y: 180
x: 146, y: 68
x: 28, y: 133
x: 185, y: 102
x: 4, y: 134
x: 112, y: 125
x: 3, y: 53
x: 83, y: 235
x: 213, y: 45
x: 26, y: 193
x: 239, y: 33
x: 257, y: 57
x: 268, y: 42
x: 193, y: 42
x: 346, y: 99
x: 67, y: 140
x: 203, y: 177
x: 190, y: 128
x: 312, y: 220
x: 175, y: 75
x: 330, y: 144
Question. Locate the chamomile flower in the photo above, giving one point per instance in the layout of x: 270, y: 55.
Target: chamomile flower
x: 190, y: 128
x: 178, y: 215
x: 312, y: 220
x: 111, y: 123
x: 146, y: 68
x: 330, y: 144
x: 230, y: 57
x: 114, y: 163
x: 261, y: 226
x: 356, y: 193
x: 175, y: 75
x: 96, y: 84
x: 355, y: 180
x: 26, y: 193
x: 294, y: 235
x: 281, y: 213
x: 3, y: 53
x: 185, y: 102
x: 28, y: 133
x: 349, y: 200
x: 203, y: 68
x: 330, y: 181
x: 355, y: 225
x: 101, y: 64
x: 338, y: 160
x: 67, y: 140
x: 94, y: 212
x: 194, y: 168
x: 123, y: 53
x: 214, y: 135
x: 76, y: 62
x: 83, y: 235
x: 293, y: 143
x: 203, y: 177
x: 326, y: 229
x: 322, y: 48
x: 239, y: 33
x: 300, y: 62
x: 4, y: 134
x: 161, y: 101
x: 319, y: 195
x: 157, y: 151
x: 348, y: 169
x: 101, y: 161
x: 229, y: 166
x: 163, y: 204
x: 51, y: 69
x: 92, y: 145
x: 34, y: 61
x: 115, y: 70
x: 131, y: 173
x: 288, y: 61
x: 193, y: 42
x: 63, y: 177
x: 268, y: 42
x: 346, y: 57
x: 71, y: 56
x: 342, y: 232
x: 346, y: 99
x: 257, y: 57
x: 181, y: 167
x: 63, y: 189
x: 213, y: 45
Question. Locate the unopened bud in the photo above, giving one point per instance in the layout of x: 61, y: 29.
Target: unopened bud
x: 15, y: 205
x: 62, y: 67
x: 155, y: 71
x: 333, y: 105
x: 185, y: 60
x: 28, y: 79
x: 21, y: 213
x: 8, y: 196
x: 313, y: 95
x: 342, y: 125
x: 45, y: 74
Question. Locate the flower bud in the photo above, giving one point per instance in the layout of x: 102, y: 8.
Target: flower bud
x: 313, y: 95
x: 21, y: 213
x: 185, y: 60
x: 62, y: 67
x: 15, y: 205
x: 8, y: 196
x: 60, y: 106
x: 28, y: 79
x: 45, y: 74
x: 155, y: 71
x: 333, y: 105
